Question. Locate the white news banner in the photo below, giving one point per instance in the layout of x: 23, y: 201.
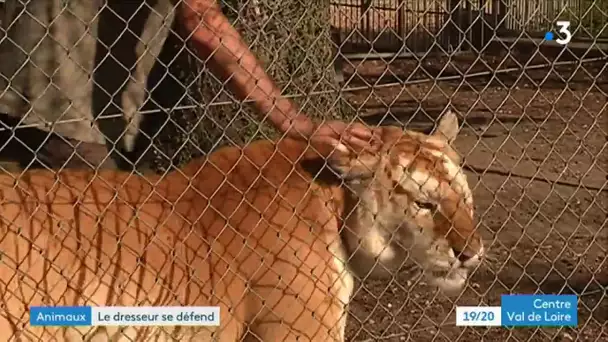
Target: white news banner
x: 155, y: 316
x: 481, y: 316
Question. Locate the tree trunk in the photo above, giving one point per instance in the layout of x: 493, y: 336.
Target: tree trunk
x: 293, y: 43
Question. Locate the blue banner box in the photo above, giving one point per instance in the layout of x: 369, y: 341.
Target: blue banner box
x: 60, y: 316
x: 539, y: 310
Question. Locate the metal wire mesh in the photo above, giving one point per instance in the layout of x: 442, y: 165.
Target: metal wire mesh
x: 534, y: 124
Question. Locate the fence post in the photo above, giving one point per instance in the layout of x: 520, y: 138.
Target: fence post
x: 365, y: 20
x: 454, y: 36
x: 401, y: 20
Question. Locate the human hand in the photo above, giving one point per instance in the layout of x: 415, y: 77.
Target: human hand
x: 338, y: 135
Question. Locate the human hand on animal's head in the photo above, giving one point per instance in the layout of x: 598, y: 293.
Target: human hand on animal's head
x: 335, y: 136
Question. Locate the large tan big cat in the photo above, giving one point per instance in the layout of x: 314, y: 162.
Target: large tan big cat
x: 246, y: 229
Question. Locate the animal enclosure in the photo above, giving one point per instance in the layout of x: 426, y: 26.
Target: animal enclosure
x: 534, y: 128
x: 535, y: 149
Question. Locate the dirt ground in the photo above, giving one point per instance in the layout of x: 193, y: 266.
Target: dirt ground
x: 537, y: 142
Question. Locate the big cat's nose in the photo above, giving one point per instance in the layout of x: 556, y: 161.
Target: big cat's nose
x: 469, y: 258
x: 462, y: 256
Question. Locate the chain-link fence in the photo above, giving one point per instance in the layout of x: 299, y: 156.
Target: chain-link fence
x: 534, y: 122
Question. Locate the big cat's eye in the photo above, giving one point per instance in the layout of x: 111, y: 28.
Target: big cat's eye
x: 426, y: 205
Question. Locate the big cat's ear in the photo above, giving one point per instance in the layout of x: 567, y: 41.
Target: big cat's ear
x: 447, y: 128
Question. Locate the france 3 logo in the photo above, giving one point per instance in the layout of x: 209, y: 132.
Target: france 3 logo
x: 563, y: 27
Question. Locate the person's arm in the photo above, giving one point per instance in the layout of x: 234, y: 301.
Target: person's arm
x: 213, y: 36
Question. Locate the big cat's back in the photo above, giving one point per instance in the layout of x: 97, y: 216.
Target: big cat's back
x: 193, y: 237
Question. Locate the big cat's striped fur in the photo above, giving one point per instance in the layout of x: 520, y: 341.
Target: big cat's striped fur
x: 247, y: 229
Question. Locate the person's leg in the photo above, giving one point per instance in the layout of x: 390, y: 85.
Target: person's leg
x: 35, y: 148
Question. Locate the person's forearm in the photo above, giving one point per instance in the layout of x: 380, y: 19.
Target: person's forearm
x: 213, y: 36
